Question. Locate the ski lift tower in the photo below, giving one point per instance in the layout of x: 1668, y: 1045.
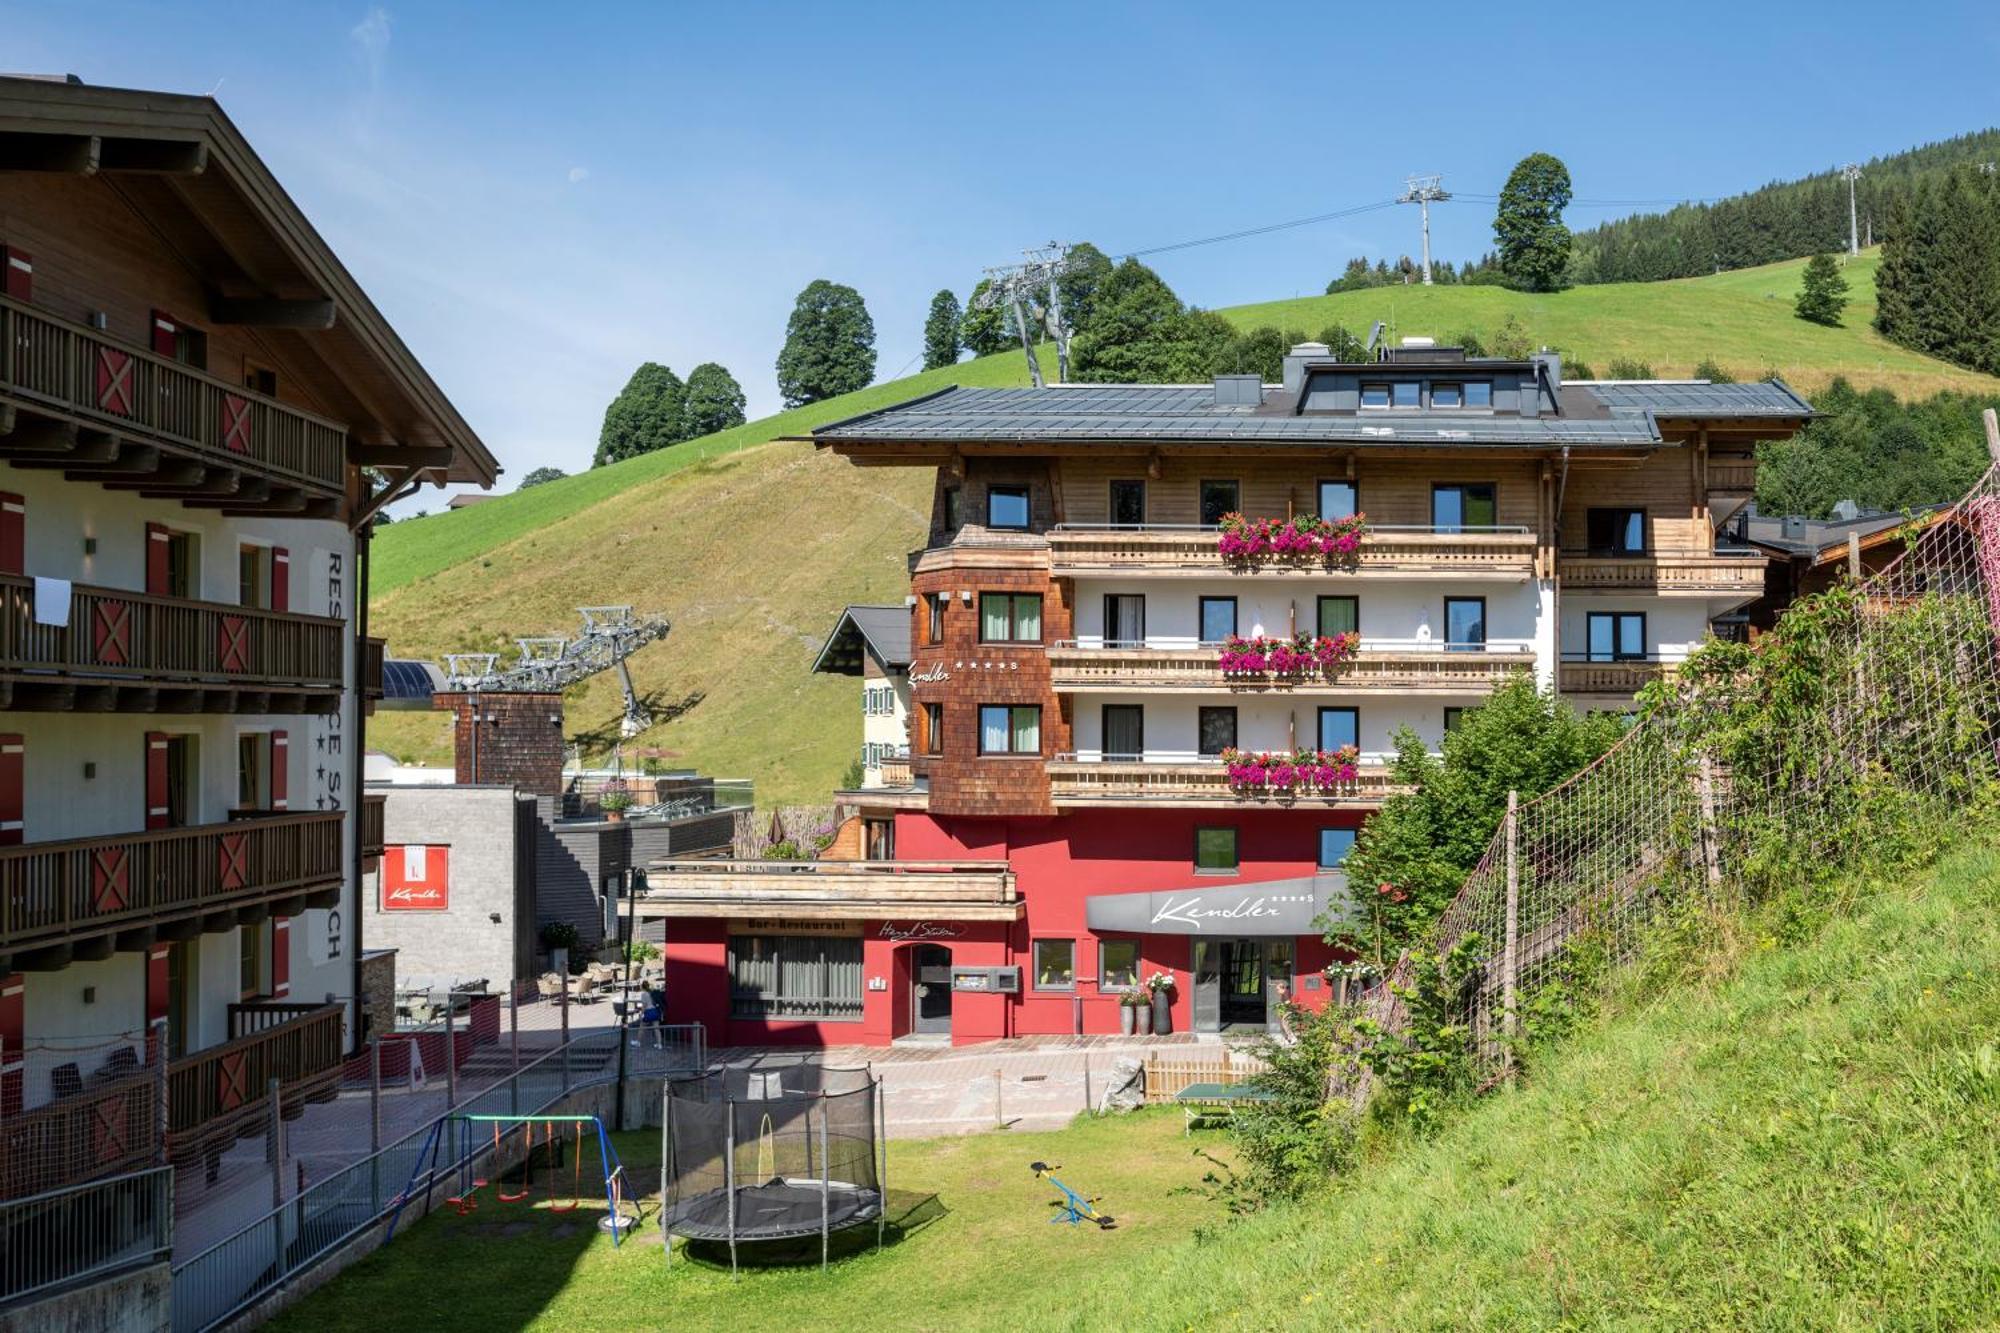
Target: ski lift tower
x: 550, y: 665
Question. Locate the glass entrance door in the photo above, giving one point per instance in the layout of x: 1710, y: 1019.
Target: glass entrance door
x: 930, y: 972
x: 1243, y: 982
x: 1207, y: 986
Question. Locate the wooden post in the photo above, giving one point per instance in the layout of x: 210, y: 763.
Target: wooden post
x: 999, y: 1112
x: 1510, y: 958
x: 275, y: 1132
x: 162, y: 1111
x: 1854, y: 556
x: 375, y: 1094
x: 1711, y: 851
x: 1992, y: 424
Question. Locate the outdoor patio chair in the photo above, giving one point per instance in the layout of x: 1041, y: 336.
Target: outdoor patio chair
x: 66, y: 1080
x: 123, y: 1061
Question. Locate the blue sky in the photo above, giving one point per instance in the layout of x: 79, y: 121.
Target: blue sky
x: 542, y: 196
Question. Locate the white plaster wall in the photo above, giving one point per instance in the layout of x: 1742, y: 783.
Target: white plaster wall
x: 892, y: 728
x: 1261, y: 724
x: 1392, y: 612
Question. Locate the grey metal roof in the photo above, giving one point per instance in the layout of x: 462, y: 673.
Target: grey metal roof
x: 1812, y: 536
x: 885, y: 629
x: 1697, y: 398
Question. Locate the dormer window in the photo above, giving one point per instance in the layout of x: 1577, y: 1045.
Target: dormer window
x: 1447, y: 395
x: 1478, y: 393
x: 1375, y: 395
x: 1407, y: 393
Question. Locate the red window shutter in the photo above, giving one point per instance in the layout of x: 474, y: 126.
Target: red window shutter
x: 17, y: 273
x: 13, y: 1033
x: 13, y: 533
x: 156, y: 982
x: 281, y: 956
x: 156, y: 559
x: 281, y: 579
x: 156, y: 779
x: 13, y: 783
x: 165, y: 326
x: 281, y: 763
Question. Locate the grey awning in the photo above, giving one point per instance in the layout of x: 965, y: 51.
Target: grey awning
x: 1272, y: 907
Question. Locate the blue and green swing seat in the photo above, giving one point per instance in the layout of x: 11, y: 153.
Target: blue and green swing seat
x: 1075, y: 1207
x: 465, y: 1198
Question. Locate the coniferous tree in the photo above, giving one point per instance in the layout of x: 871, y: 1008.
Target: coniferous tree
x: 1528, y: 227
x: 645, y: 416
x: 714, y: 401
x: 1822, y: 291
x: 941, y: 331
x: 829, y: 345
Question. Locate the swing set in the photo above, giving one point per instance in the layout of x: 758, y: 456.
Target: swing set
x: 555, y: 1143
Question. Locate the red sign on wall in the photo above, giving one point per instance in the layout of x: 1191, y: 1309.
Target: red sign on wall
x: 416, y: 878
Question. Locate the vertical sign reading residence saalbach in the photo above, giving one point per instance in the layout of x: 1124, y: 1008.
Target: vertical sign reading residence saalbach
x: 329, y: 749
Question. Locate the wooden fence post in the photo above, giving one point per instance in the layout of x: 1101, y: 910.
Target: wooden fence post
x: 1711, y: 851
x: 1992, y: 424
x: 1510, y: 957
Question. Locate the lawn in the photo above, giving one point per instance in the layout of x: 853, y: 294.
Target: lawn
x: 976, y: 1251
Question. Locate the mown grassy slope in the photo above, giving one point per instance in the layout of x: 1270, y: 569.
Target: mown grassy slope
x: 753, y: 547
x: 1804, y: 1138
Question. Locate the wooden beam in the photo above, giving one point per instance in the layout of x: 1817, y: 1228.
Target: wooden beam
x: 172, y: 157
x: 91, y: 449
x: 39, y: 434
x: 250, y: 492
x: 416, y: 457
x: 6, y: 418
x: 69, y: 154
x: 271, y: 312
x: 131, y: 460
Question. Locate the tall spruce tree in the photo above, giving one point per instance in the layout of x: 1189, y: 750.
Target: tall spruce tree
x: 829, y: 345
x: 714, y: 401
x: 1528, y: 227
x: 941, y: 331
x: 645, y: 416
x: 1822, y: 291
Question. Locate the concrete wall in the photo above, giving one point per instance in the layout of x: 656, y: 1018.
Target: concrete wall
x: 489, y: 910
x: 137, y: 1302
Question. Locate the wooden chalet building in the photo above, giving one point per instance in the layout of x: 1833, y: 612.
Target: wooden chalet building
x: 1070, y: 825
x: 200, y: 412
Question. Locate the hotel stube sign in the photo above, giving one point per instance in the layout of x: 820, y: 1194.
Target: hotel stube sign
x: 1274, y: 907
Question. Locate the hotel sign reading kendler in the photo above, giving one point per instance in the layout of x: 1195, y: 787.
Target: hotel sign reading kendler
x: 1275, y: 907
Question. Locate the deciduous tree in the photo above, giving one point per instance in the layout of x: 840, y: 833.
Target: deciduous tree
x: 646, y: 415
x: 829, y: 345
x: 714, y: 401
x: 1528, y: 228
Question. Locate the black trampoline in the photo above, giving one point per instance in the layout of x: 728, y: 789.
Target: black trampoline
x: 773, y: 1149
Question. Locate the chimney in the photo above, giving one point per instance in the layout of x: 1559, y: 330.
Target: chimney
x: 1552, y: 366
x: 1792, y: 526
x: 1295, y: 363
x: 1239, y: 390
x: 509, y: 738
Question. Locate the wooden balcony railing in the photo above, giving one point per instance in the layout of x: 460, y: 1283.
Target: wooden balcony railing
x: 101, y: 1131
x: 374, y: 810
x: 1666, y: 573
x: 896, y: 771
x: 1125, y: 783
x: 217, y: 1094
x: 1619, y: 678
x: 832, y: 890
x: 84, y: 374
x: 1732, y: 476
x: 115, y: 637
x: 372, y: 653
x: 54, y: 893
x: 1191, y: 552
x: 1402, y: 670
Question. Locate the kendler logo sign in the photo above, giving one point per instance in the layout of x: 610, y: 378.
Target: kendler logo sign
x: 416, y: 878
x: 1274, y: 907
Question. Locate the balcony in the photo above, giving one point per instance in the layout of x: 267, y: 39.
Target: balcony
x: 128, y: 652
x: 104, y: 1130
x: 1166, y: 551
x: 1668, y: 573
x: 832, y: 890
x: 216, y: 1095
x: 1732, y: 476
x: 373, y: 651
x: 85, y: 897
x: 374, y: 814
x: 76, y: 399
x: 1612, y: 680
x: 1390, y: 665
x: 1077, y: 783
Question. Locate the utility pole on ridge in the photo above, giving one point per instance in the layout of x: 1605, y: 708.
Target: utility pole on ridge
x: 1423, y: 191
x: 1852, y: 172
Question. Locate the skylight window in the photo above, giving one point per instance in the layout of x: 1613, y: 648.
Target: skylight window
x: 1447, y: 395
x: 1374, y: 395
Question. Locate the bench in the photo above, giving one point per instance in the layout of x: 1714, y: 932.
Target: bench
x: 1216, y: 1101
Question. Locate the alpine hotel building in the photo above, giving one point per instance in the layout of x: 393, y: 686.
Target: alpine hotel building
x: 1067, y: 825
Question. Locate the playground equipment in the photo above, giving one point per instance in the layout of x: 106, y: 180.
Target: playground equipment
x: 771, y: 1150
x: 556, y: 1144
x: 1075, y: 1207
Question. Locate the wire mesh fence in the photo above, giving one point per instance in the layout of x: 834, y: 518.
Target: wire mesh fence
x: 1870, y: 712
x: 76, y: 1107
x: 84, y: 1233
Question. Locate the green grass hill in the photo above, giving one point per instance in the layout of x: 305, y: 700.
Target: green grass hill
x: 751, y: 547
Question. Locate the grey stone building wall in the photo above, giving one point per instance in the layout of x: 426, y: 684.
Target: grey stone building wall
x: 489, y: 929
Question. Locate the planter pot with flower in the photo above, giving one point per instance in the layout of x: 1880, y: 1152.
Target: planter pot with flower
x: 1161, y: 986
x: 614, y: 802
x: 1134, y: 1013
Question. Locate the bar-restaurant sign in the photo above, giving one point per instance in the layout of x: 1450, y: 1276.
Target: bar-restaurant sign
x: 416, y: 877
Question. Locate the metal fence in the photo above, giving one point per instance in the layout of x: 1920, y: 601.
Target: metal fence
x: 221, y: 1281
x: 85, y: 1233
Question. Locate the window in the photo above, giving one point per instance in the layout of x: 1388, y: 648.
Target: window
x: 1128, y: 503
x: 1339, y: 615
x: 1218, y: 619
x: 1374, y: 395
x: 260, y: 379
x: 1215, y: 849
x: 1616, y: 636
x: 1010, y: 617
x: 1124, y: 620
x: 1219, y: 498
x: 1407, y: 393
x: 253, y: 772
x: 1334, y: 845
x: 881, y: 839
x: 1215, y: 729
x: 1457, y: 507
x: 1617, y: 531
x: 954, y: 513
x: 1117, y: 964
x: 183, y: 568
x: 1447, y: 395
x: 1124, y: 731
x: 934, y: 617
x: 250, y: 965
x: 253, y: 576
x: 933, y: 728
x: 1339, y: 728
x: 1007, y: 507
x: 1010, y: 729
x: 1452, y: 717
x: 1055, y: 964
x: 1338, y: 499
x: 183, y: 777
x: 795, y: 976
x: 1464, y: 624
x: 1478, y: 393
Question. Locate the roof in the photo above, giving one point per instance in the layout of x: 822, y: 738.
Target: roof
x: 178, y: 161
x: 884, y: 629
x: 409, y: 684
x: 1819, y: 539
x: 1614, y: 415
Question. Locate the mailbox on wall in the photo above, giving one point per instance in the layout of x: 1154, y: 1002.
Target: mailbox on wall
x: 1001, y: 980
